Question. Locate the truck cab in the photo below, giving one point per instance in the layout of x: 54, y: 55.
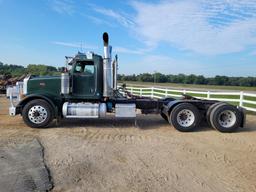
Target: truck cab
x: 86, y: 77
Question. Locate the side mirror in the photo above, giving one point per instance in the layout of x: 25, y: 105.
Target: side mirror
x: 63, y: 69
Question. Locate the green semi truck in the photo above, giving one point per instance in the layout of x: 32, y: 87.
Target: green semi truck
x: 89, y: 90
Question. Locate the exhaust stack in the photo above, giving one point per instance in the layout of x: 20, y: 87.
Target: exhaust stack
x: 107, y: 68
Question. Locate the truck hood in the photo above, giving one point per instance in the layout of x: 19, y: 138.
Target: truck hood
x: 50, y: 85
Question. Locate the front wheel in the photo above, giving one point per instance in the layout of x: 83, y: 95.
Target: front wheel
x: 37, y: 113
x: 185, y: 117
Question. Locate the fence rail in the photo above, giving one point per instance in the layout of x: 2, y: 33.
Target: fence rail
x: 243, y: 99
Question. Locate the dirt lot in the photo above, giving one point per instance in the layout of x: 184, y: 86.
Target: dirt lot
x: 108, y: 155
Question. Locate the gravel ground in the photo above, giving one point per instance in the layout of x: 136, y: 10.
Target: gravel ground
x: 115, y: 155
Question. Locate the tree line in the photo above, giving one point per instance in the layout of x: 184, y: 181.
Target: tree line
x: 34, y: 69
x: 190, y: 79
x: 42, y: 70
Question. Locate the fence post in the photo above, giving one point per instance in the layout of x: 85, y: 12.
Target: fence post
x: 208, y: 94
x: 152, y: 92
x: 241, y: 99
x: 131, y: 90
x: 140, y: 91
x: 166, y: 92
x: 184, y: 91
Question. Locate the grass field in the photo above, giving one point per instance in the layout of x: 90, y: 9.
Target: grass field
x: 190, y: 86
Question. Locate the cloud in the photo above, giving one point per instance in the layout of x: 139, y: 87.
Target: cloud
x: 253, y: 53
x: 63, y: 6
x: 202, y: 26
x: 99, y: 21
x: 130, y: 51
x: 75, y: 45
x: 163, y: 64
x: 170, y: 65
x: 119, y: 17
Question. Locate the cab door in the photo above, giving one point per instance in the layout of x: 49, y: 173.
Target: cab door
x: 84, y: 79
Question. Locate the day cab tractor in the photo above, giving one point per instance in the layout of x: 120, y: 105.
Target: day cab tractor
x: 89, y: 90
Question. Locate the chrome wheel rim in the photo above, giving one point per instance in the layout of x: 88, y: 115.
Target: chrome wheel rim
x: 37, y: 114
x: 185, y: 118
x: 227, y: 118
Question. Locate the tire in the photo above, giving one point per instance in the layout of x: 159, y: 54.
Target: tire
x: 164, y: 116
x: 225, y: 118
x: 37, y: 113
x: 208, y: 113
x: 185, y: 117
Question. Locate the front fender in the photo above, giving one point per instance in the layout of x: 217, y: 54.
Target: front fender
x: 31, y: 97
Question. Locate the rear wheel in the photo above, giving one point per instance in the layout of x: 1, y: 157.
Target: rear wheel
x: 208, y: 113
x: 225, y: 118
x: 185, y: 117
x: 37, y: 113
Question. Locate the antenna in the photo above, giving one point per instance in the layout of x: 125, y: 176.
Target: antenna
x: 81, y: 46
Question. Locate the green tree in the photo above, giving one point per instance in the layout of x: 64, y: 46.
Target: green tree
x: 41, y: 70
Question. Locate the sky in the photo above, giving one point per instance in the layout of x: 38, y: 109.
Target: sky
x: 202, y: 37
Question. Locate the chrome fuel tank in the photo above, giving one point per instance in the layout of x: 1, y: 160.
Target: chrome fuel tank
x: 84, y: 110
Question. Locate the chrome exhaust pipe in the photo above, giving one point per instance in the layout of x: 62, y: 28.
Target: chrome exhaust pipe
x: 107, y: 68
x: 106, y: 46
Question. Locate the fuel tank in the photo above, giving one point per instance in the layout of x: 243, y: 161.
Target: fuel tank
x: 84, y: 110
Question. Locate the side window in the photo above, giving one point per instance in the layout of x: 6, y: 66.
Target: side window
x: 89, y: 69
x: 78, y: 68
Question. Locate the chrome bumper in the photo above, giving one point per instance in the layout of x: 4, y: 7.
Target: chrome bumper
x: 13, y: 93
x: 12, y: 111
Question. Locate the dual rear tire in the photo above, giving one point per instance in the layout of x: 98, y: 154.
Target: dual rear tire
x: 224, y: 117
x: 185, y: 117
x: 221, y: 116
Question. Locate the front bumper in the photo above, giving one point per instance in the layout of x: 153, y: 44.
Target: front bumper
x: 14, y: 94
x: 12, y: 111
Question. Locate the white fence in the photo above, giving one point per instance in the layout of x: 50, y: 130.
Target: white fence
x: 243, y: 99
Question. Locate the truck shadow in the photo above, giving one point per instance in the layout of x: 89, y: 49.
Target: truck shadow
x: 249, y: 127
x: 141, y: 122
